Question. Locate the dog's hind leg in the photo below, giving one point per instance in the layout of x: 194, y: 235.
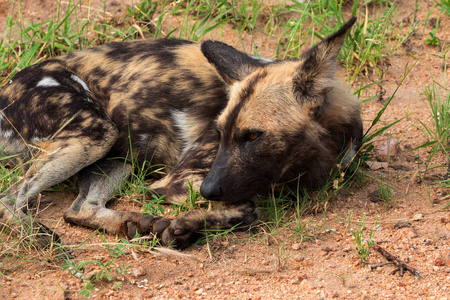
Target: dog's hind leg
x: 55, y: 161
x: 76, y: 141
x: 98, y: 184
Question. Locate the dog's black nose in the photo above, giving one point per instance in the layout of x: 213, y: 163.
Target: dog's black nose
x: 210, y: 190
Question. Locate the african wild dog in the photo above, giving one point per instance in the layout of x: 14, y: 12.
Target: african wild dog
x: 230, y: 123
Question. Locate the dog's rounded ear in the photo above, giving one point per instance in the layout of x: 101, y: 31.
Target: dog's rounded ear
x: 317, y: 66
x: 231, y: 64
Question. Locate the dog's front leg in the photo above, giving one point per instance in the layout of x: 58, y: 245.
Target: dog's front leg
x: 187, y: 228
x: 97, y: 185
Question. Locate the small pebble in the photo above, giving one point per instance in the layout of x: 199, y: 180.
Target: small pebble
x: 405, y: 233
x: 331, y: 294
x: 298, y: 258
x: 387, y: 150
x: 376, y: 165
x: 138, y: 272
x: 439, y: 262
x: 417, y: 217
x: 307, y: 284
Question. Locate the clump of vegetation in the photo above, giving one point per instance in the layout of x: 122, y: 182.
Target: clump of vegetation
x: 438, y: 99
x: 444, y: 6
x: 363, y: 243
x: 433, y: 40
x: 107, y: 270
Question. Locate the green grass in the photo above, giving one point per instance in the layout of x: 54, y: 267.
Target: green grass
x: 433, y: 40
x: 438, y: 99
x: 93, y: 271
x: 10, y: 171
x: 385, y: 191
x: 444, y: 6
x: 363, y: 243
x: 68, y: 31
x: 437, y: 96
x: 25, y: 42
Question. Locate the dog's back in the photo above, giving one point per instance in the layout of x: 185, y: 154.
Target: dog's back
x: 161, y: 95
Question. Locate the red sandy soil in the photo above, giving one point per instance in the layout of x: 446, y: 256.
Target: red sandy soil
x: 281, y: 265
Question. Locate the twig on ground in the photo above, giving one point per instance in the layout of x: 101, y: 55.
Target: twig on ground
x: 401, y: 266
x: 251, y: 272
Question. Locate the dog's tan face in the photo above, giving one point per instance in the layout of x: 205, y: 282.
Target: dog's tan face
x: 274, y: 126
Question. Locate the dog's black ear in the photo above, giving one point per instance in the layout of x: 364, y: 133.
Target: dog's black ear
x: 231, y: 64
x: 318, y: 64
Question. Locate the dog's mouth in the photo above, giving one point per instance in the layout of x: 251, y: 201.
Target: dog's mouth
x: 234, y: 192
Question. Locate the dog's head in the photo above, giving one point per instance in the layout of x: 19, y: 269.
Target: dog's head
x: 278, y: 120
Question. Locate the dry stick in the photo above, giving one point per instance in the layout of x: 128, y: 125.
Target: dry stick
x: 401, y: 266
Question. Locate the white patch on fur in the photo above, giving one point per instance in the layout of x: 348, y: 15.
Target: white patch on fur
x: 36, y: 139
x: 186, y: 149
x: 48, y: 81
x: 1, y: 119
x: 87, y: 99
x: 193, y: 146
x: 144, y: 139
x: 349, y: 157
x: 81, y: 82
x: 262, y: 59
x: 181, y: 121
x: 6, y: 134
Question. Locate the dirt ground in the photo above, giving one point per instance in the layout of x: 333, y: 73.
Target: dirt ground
x: 280, y: 266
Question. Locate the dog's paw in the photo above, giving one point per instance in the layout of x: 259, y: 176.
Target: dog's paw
x: 181, y: 233
x: 144, y: 224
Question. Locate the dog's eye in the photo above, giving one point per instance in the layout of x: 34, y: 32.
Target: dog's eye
x: 251, y: 136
